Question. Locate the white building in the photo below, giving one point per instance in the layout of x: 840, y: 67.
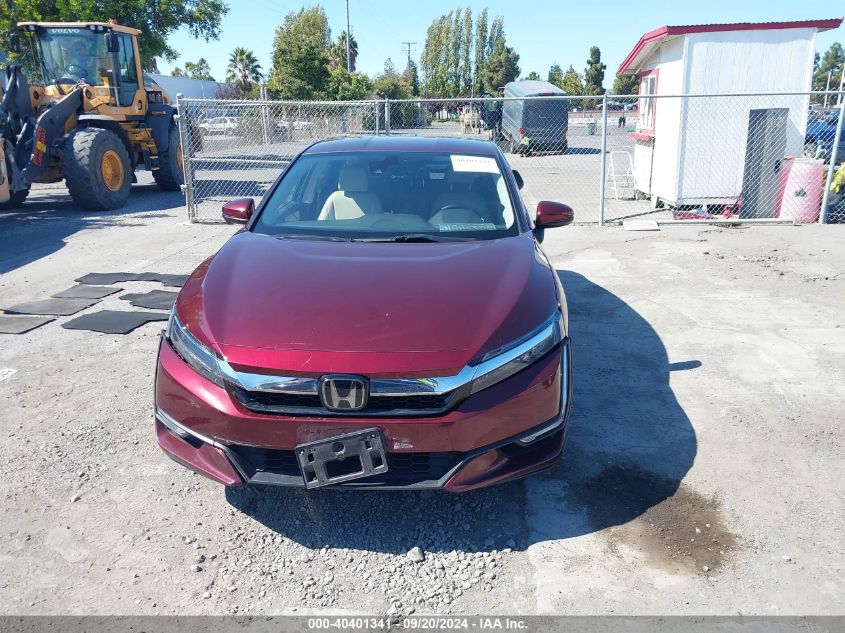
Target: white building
x: 710, y: 150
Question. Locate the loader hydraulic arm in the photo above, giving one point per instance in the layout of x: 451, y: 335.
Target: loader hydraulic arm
x: 32, y: 140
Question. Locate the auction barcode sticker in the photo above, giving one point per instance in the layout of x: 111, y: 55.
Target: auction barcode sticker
x: 482, y: 164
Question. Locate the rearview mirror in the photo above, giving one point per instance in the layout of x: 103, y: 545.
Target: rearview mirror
x: 238, y: 211
x: 112, y: 43
x: 520, y: 183
x: 553, y: 214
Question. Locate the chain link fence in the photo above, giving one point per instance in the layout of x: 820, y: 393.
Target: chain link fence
x: 689, y: 158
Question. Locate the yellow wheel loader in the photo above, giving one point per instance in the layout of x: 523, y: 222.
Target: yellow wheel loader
x: 88, y: 119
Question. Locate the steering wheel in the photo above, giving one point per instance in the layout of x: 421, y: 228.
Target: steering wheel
x: 74, y: 73
x: 457, y: 207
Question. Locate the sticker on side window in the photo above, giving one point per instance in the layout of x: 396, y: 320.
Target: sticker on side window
x: 480, y: 164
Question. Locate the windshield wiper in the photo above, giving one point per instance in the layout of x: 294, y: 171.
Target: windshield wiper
x: 414, y: 237
x: 315, y: 238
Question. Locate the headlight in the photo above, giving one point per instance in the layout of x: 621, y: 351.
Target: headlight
x: 198, y: 356
x: 504, y: 363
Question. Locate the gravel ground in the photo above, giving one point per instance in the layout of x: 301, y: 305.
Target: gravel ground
x: 702, y: 473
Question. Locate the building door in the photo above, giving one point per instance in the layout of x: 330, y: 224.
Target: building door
x: 764, y: 151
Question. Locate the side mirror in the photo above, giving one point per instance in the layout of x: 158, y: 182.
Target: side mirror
x: 14, y: 43
x: 112, y: 43
x: 238, y: 211
x: 553, y: 214
x: 520, y: 183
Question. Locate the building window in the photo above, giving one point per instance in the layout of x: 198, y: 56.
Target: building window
x: 648, y: 87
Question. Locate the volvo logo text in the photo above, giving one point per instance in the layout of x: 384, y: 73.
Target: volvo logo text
x: 339, y: 392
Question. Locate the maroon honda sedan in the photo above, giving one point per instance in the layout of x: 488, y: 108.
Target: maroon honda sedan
x: 385, y: 319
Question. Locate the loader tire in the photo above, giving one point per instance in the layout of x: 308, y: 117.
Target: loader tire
x: 97, y: 169
x: 170, y: 175
x: 16, y: 200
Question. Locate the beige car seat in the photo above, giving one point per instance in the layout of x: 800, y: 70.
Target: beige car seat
x: 470, y: 204
x: 352, y: 200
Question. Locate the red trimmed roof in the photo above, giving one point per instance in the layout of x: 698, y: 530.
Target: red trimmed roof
x: 648, y: 41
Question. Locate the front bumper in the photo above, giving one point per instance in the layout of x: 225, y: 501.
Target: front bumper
x: 507, y: 431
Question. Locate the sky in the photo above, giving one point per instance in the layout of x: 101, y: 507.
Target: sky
x: 541, y: 31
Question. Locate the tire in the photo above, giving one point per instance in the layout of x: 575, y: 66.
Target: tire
x: 170, y: 175
x: 565, y: 147
x: 16, y: 200
x: 97, y: 169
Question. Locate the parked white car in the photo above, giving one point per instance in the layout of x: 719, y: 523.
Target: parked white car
x: 219, y: 125
x: 287, y: 126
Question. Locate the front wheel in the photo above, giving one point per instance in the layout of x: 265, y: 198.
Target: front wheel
x: 170, y: 175
x: 15, y: 200
x: 97, y: 169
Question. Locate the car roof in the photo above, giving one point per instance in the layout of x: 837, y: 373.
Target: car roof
x: 404, y: 144
x: 530, y: 88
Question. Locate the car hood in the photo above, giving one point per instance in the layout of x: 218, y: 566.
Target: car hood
x: 359, y: 307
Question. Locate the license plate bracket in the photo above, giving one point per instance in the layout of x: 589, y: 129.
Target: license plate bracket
x: 335, y: 460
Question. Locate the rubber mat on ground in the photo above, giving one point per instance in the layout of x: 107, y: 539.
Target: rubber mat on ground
x: 86, y: 292
x: 154, y: 299
x: 106, y: 279
x: 168, y: 279
x: 15, y: 324
x: 53, y: 307
x: 113, y: 321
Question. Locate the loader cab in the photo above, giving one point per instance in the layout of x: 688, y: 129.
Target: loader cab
x: 100, y: 55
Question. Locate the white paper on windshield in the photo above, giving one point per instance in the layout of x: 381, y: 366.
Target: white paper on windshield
x: 481, y: 164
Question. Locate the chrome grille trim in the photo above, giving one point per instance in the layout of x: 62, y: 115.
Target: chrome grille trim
x: 438, y: 385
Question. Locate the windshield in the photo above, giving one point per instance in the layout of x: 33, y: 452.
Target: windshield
x: 414, y: 196
x: 69, y: 55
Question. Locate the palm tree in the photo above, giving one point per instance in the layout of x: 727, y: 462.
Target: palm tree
x: 243, y: 69
x: 338, y: 51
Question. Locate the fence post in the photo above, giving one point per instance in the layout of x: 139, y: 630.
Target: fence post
x: 264, y: 116
x: 187, y: 151
x: 837, y: 139
x: 375, y: 117
x: 603, y: 175
x: 387, y: 117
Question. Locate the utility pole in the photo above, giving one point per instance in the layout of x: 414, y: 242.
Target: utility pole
x: 348, y: 58
x: 408, y: 45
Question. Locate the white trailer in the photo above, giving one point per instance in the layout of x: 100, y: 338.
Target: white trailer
x: 710, y: 150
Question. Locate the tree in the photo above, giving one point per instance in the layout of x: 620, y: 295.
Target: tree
x: 337, y: 54
x: 243, y: 69
x: 412, y: 77
x: 501, y: 67
x: 301, y: 55
x: 594, y: 73
x: 454, y: 62
x: 390, y: 84
x: 156, y: 19
x: 434, y: 59
x: 831, y: 62
x: 345, y: 86
x: 572, y: 83
x: 480, y: 51
x: 555, y: 75
x: 178, y: 72
x: 532, y: 76
x: 625, y: 84
x: 200, y: 70
x: 465, y: 71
